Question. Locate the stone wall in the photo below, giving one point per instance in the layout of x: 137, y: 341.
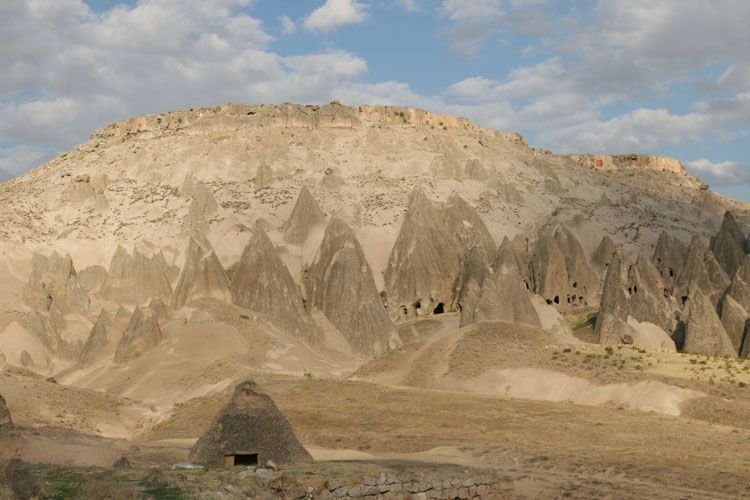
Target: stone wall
x: 386, y: 486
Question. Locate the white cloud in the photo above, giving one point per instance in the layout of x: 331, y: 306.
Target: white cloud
x: 288, y: 27
x: 409, y: 5
x: 725, y: 173
x: 334, y: 14
x: 18, y: 159
x: 471, y: 11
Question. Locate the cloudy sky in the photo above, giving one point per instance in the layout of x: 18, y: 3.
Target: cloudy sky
x: 662, y: 76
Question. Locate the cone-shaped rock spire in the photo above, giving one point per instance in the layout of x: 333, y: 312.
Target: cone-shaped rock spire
x: 340, y: 284
x: 701, y: 329
x: 202, y: 276
x: 305, y: 215
x: 262, y: 283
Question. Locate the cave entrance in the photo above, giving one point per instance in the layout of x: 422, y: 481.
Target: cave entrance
x: 242, y: 458
x: 438, y: 309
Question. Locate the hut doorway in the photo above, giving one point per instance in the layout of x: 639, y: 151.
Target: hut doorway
x: 240, y: 459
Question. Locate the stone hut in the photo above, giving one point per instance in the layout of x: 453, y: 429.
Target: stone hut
x: 249, y: 430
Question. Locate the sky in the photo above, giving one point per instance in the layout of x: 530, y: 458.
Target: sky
x: 668, y: 77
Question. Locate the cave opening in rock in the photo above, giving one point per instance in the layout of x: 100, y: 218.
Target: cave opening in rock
x: 438, y: 309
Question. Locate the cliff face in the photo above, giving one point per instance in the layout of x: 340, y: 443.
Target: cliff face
x: 620, y: 162
x: 332, y: 115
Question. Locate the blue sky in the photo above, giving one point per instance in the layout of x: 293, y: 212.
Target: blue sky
x: 661, y: 76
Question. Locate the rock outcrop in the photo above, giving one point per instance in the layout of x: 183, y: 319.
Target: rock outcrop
x: 54, y: 281
x: 620, y: 162
x: 669, y: 258
x: 701, y: 330
x: 202, y: 275
x: 249, y: 424
x: 262, y: 283
x: 425, y: 262
x: 735, y: 319
x: 603, y: 254
x: 559, y: 269
x: 701, y: 268
x: 504, y: 298
x: 728, y: 245
x: 136, y: 279
x: 635, y: 306
x: 6, y: 422
x: 99, y: 339
x: 305, y: 215
x: 340, y: 284
x: 142, y: 334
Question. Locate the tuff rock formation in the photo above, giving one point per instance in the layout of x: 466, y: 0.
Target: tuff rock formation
x: 635, y: 306
x: 735, y: 319
x: 728, y: 245
x: 340, y: 284
x: 426, y: 259
x: 701, y: 268
x: 603, y: 254
x: 142, y: 334
x: 504, y: 298
x: 669, y: 257
x: 202, y: 275
x: 54, y: 280
x: 5, y: 421
x: 262, y: 283
x: 249, y: 423
x: 700, y: 330
x: 559, y: 269
x: 305, y: 215
x: 99, y: 339
x: 136, y: 279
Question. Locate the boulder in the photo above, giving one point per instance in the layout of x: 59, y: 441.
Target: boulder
x: 202, y: 275
x: 305, y: 215
x: 250, y: 424
x: 262, y: 283
x: 340, y: 284
x: 701, y: 330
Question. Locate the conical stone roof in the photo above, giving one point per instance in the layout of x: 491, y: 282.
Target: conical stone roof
x: 249, y: 423
x: 340, y: 284
x: 305, y: 215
